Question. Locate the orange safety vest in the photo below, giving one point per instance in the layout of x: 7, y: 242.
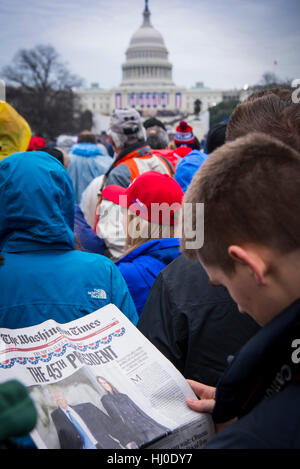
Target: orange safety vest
x: 138, y: 162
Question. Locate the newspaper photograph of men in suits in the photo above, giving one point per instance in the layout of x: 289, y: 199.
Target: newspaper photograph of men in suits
x: 85, y: 426
x: 71, y: 416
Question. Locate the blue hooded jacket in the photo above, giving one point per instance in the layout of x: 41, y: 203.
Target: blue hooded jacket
x: 142, y: 265
x: 86, y: 163
x: 43, y: 277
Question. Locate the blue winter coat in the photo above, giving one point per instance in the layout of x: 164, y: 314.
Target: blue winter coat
x: 187, y: 167
x: 86, y: 163
x: 43, y: 277
x: 89, y: 241
x: 141, y: 266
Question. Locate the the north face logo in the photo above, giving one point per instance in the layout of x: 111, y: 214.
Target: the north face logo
x: 98, y: 294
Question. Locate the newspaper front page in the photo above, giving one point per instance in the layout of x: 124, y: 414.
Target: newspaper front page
x: 98, y: 383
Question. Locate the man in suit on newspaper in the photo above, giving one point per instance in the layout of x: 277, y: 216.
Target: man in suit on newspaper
x: 85, y: 426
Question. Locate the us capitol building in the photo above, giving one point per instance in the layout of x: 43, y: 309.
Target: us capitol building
x: 147, y: 82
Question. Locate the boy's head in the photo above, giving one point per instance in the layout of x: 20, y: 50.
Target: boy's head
x: 250, y: 190
x: 271, y: 112
x: 283, y: 93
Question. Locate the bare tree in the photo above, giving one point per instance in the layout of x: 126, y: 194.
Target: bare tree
x: 40, y: 69
x: 41, y: 87
x: 270, y: 79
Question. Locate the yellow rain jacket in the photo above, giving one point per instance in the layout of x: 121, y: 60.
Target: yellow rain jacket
x: 15, y: 133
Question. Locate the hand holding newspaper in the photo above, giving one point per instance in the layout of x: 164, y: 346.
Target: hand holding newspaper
x: 98, y: 383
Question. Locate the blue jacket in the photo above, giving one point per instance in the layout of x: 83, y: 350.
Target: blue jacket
x: 187, y: 167
x: 43, y: 277
x: 86, y: 163
x: 141, y: 266
x: 89, y: 241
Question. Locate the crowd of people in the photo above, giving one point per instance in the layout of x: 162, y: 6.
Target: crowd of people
x: 106, y: 213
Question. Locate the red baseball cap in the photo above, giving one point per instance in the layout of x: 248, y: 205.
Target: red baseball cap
x: 153, y: 196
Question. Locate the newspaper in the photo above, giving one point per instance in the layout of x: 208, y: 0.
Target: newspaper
x: 97, y: 382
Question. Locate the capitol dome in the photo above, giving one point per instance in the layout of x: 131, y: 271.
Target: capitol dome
x: 147, y: 57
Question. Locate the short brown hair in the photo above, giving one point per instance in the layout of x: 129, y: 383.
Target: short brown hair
x: 271, y: 112
x: 283, y: 93
x: 250, y: 190
x: 86, y: 137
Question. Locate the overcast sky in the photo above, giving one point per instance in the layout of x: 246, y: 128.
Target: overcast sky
x: 224, y: 43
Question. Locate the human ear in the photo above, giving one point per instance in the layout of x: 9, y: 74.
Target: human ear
x: 251, y: 259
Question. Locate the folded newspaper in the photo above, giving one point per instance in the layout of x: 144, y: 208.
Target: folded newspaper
x: 97, y: 382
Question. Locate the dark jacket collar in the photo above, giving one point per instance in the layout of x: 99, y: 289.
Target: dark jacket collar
x: 262, y: 367
x: 131, y: 148
x: 127, y: 151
